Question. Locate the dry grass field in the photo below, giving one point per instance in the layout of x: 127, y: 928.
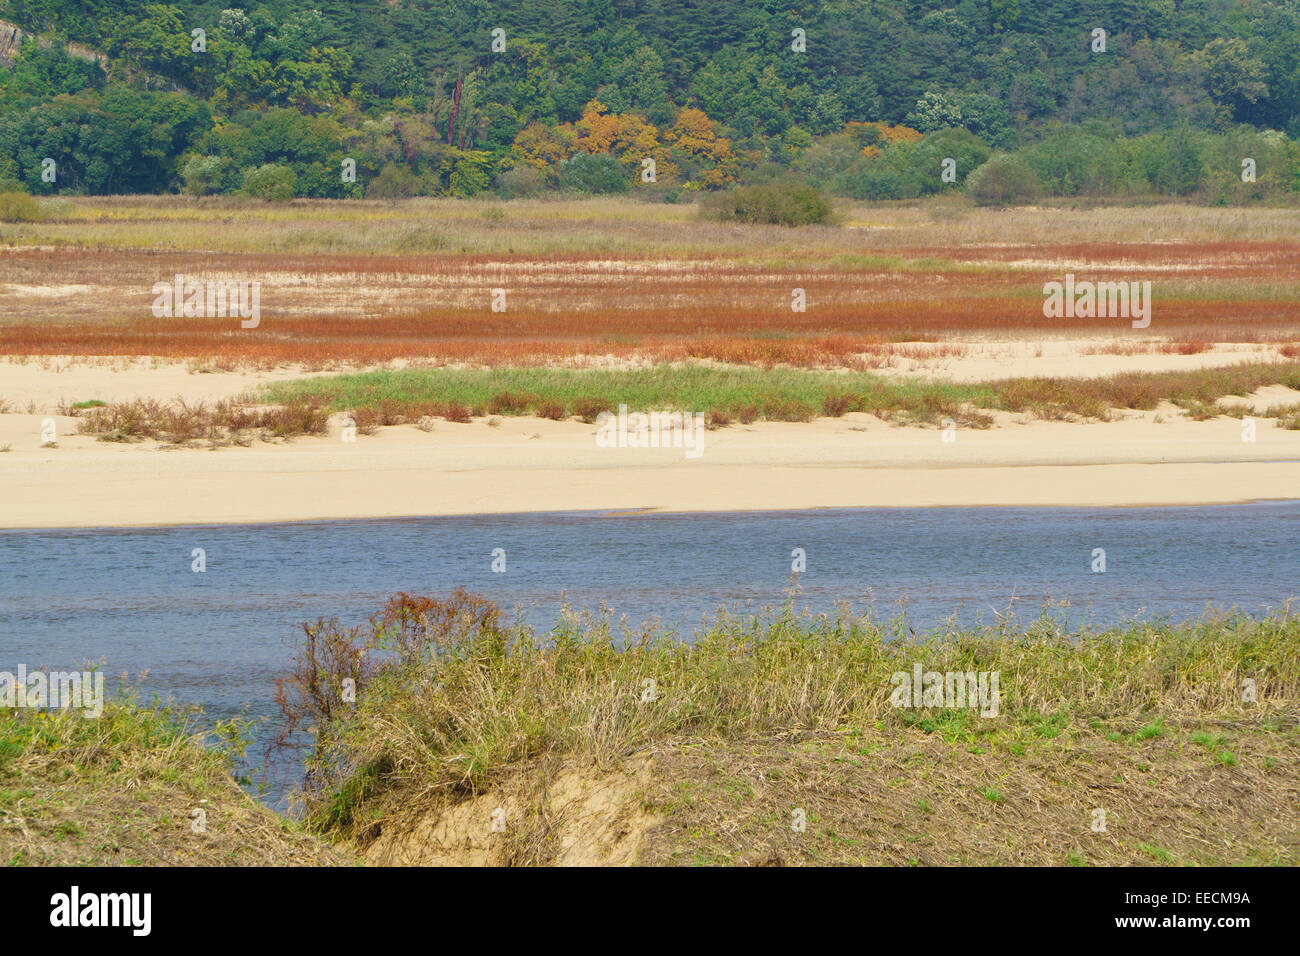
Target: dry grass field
x: 599, y: 281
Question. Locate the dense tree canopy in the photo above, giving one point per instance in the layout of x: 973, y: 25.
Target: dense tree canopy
x: 198, y: 96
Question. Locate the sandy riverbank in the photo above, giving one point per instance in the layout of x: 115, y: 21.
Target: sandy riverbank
x: 536, y: 465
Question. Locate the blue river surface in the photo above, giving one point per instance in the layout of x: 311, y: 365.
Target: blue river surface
x: 129, y: 600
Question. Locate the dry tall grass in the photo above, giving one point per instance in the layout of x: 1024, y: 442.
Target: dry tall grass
x: 451, y: 699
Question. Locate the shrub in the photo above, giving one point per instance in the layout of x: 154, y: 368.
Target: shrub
x: 1194, y: 347
x: 510, y: 403
x: 1082, y: 162
x: 204, y: 175
x: 519, y: 183
x: 470, y: 176
x: 593, y: 173
x: 271, y: 182
x: 295, y: 419
x: 457, y: 412
x: 773, y: 204
x: 393, y: 182
x: 836, y: 404
x: 20, y: 207
x: 1172, y: 162
x: 419, y: 238
x: 893, y: 163
x: 178, y: 422
x: 367, y: 420
x: 781, y: 409
x: 588, y: 409
x: 551, y: 409
x: 1005, y: 179
x: 923, y: 161
x: 875, y: 179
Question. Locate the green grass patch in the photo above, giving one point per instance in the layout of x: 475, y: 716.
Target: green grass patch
x: 745, y: 394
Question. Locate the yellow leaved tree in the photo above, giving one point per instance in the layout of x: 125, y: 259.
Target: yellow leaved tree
x: 707, y: 155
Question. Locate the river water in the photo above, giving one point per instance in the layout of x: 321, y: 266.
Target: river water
x: 131, y: 600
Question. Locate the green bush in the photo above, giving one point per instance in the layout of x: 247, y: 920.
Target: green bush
x: 1170, y: 162
x: 270, y: 182
x: 471, y: 175
x: 20, y: 207
x: 393, y: 182
x: 925, y: 158
x: 826, y: 159
x: 588, y: 173
x: 1080, y: 162
x: 876, y: 178
x: 1277, y: 167
x: 1004, y: 180
x: 520, y: 182
x: 777, y: 204
x: 204, y: 175
x: 909, y: 169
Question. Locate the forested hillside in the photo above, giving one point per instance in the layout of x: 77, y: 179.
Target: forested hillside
x: 861, y: 97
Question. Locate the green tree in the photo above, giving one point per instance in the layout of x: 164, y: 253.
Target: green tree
x: 401, y: 75
x: 594, y: 173
x: 270, y: 181
x: 157, y: 41
x: 1005, y: 179
x: 472, y: 173
x: 935, y: 111
x: 1232, y: 76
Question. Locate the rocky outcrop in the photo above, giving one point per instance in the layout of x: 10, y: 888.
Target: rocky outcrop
x: 11, y: 41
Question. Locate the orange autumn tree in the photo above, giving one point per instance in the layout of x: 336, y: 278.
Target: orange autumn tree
x: 630, y: 138
x: 875, y: 137
x: 638, y: 139
x: 598, y: 128
x: 542, y: 147
x: 694, y: 136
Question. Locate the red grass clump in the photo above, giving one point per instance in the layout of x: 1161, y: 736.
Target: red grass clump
x: 837, y: 404
x: 1193, y: 347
